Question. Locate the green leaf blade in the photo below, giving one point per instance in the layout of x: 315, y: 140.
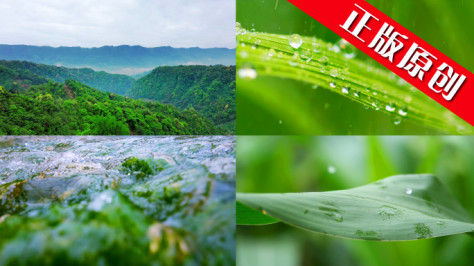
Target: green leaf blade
x: 249, y: 216
x: 405, y: 207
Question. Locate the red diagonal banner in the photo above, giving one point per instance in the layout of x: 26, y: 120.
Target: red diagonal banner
x: 398, y: 49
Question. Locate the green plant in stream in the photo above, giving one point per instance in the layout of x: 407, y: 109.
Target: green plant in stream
x: 403, y: 207
x: 134, y: 165
x: 333, y: 67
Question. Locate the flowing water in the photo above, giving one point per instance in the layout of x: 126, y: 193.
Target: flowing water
x: 102, y: 200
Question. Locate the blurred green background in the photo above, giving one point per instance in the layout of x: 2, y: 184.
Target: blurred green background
x: 442, y: 23
x: 298, y: 164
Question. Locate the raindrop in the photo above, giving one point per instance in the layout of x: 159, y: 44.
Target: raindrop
x: 243, y: 31
x: 387, y: 212
x: 408, y: 191
x: 376, y: 105
x: 335, y: 48
x: 252, y: 30
x: 331, y: 169
x: 280, y: 122
x: 295, y: 41
x: 247, y: 72
x: 403, y: 111
x: 316, y: 47
x: 334, y: 73
x: 271, y: 52
x: 356, y: 94
x: 306, y: 55
x: 390, y: 107
x: 396, y: 120
x: 323, y: 60
x: 337, y: 217
x: 347, y: 49
x: 238, y: 28
x: 315, y: 86
x: 332, y: 84
x: 294, y: 60
x: 345, y: 90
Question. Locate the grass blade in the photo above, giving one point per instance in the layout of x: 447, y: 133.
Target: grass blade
x: 327, y: 66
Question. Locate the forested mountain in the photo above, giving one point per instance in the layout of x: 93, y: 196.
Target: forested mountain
x: 74, y: 108
x: 17, y: 79
x: 208, y: 89
x: 101, y: 80
x: 123, y: 59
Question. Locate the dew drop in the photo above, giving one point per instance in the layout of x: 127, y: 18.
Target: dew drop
x: 316, y: 48
x: 387, y: 212
x: 252, y: 30
x: 280, y: 122
x: 396, y: 120
x: 335, y: 48
x: 376, y: 105
x: 238, y: 28
x: 347, y: 49
x: 306, y: 55
x: 345, y: 90
x: 408, y: 191
x: 331, y: 169
x: 315, y: 86
x: 332, y: 85
x: 356, y: 94
x: 334, y: 73
x: 271, y: 52
x: 247, y: 72
x: 390, y: 107
x: 403, y: 111
x: 295, y: 41
x: 294, y: 60
x: 337, y: 217
x: 323, y: 60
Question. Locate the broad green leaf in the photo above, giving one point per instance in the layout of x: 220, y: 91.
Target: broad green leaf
x: 402, y: 207
x: 334, y: 68
x: 249, y: 216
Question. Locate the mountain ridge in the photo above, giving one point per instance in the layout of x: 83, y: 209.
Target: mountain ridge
x: 123, y: 59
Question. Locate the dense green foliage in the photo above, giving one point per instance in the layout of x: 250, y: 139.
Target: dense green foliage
x: 208, y: 89
x: 74, y: 108
x: 16, y: 80
x: 122, y: 59
x: 101, y: 80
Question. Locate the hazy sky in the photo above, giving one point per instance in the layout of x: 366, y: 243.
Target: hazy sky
x: 93, y: 23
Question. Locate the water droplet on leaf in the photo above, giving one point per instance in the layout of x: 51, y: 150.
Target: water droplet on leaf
x: 331, y: 169
x: 295, y: 41
x: 247, y: 72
